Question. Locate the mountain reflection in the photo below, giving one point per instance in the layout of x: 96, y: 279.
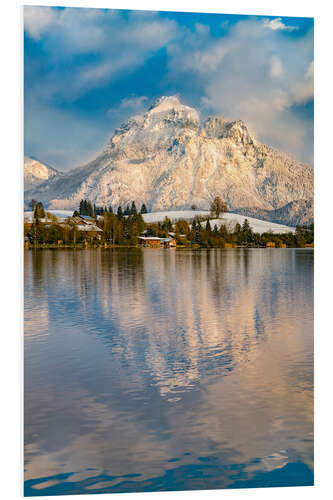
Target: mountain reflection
x: 152, y: 355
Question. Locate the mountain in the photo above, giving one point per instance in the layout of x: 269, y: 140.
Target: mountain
x: 36, y: 172
x: 295, y: 213
x: 169, y: 159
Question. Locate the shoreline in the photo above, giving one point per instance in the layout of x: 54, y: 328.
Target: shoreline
x: 138, y: 247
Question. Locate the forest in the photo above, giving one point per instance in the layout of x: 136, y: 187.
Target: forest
x: 126, y: 226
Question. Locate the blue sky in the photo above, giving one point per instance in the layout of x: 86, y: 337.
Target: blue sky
x: 88, y: 70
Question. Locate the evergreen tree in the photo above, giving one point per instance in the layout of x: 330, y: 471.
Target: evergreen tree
x: 127, y: 210
x: 208, y: 228
x: 245, y: 226
x: 119, y: 213
x: 197, y: 231
x: 75, y: 213
x: 143, y: 209
x: 133, y: 208
x: 125, y: 227
x: 39, y: 211
x: 33, y: 204
x: 223, y: 231
x: 90, y: 209
x: 139, y: 220
x: 247, y: 233
x: 167, y: 224
x: 215, y: 230
x: 81, y: 209
x: 110, y: 210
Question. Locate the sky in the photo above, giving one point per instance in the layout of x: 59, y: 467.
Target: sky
x: 86, y: 71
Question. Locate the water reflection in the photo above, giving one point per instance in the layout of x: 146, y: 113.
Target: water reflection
x: 153, y: 369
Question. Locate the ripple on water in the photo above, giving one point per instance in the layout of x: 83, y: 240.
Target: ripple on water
x: 151, y: 371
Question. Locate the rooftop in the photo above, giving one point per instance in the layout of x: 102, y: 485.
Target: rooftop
x: 91, y: 227
x: 156, y: 238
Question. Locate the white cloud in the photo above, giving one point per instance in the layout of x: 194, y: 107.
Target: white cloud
x: 119, y: 45
x: 303, y: 91
x: 257, y: 75
x: 79, y: 30
x: 134, y: 103
x: 38, y: 19
x: 277, y: 24
x: 202, y: 29
x: 276, y: 69
x: 151, y: 34
x: 255, y: 72
x: 310, y: 71
x: 93, y: 74
x: 74, y: 30
x: 130, y: 105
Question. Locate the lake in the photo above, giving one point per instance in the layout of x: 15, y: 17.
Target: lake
x: 150, y: 370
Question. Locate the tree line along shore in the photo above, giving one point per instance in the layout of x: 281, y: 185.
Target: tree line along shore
x: 92, y: 227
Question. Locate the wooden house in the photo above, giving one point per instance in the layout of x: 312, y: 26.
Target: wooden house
x: 90, y: 231
x: 156, y: 242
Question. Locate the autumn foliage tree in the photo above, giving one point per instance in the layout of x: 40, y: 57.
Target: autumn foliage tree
x: 182, y: 226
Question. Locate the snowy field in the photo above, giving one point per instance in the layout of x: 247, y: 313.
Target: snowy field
x: 229, y: 219
x: 257, y: 225
x: 173, y: 215
x: 62, y: 214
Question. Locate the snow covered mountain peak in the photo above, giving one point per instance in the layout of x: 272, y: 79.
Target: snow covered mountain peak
x: 170, y: 103
x: 165, y: 102
x: 168, y: 120
x: 165, y: 121
x: 167, y: 159
x: 171, y: 107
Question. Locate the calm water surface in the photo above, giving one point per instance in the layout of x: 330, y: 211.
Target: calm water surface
x: 156, y: 369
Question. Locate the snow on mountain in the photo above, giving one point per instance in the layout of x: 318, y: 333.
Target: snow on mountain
x: 170, y: 160
x: 36, y: 172
x: 297, y: 212
x: 229, y: 219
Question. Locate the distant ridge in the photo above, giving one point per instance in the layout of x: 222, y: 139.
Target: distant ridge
x: 295, y: 213
x: 42, y: 162
x: 37, y: 172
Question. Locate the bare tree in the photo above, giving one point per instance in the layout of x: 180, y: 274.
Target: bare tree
x: 218, y: 207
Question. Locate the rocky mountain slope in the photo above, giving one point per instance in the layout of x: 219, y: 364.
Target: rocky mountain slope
x: 36, y: 172
x: 168, y: 159
x: 295, y: 213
